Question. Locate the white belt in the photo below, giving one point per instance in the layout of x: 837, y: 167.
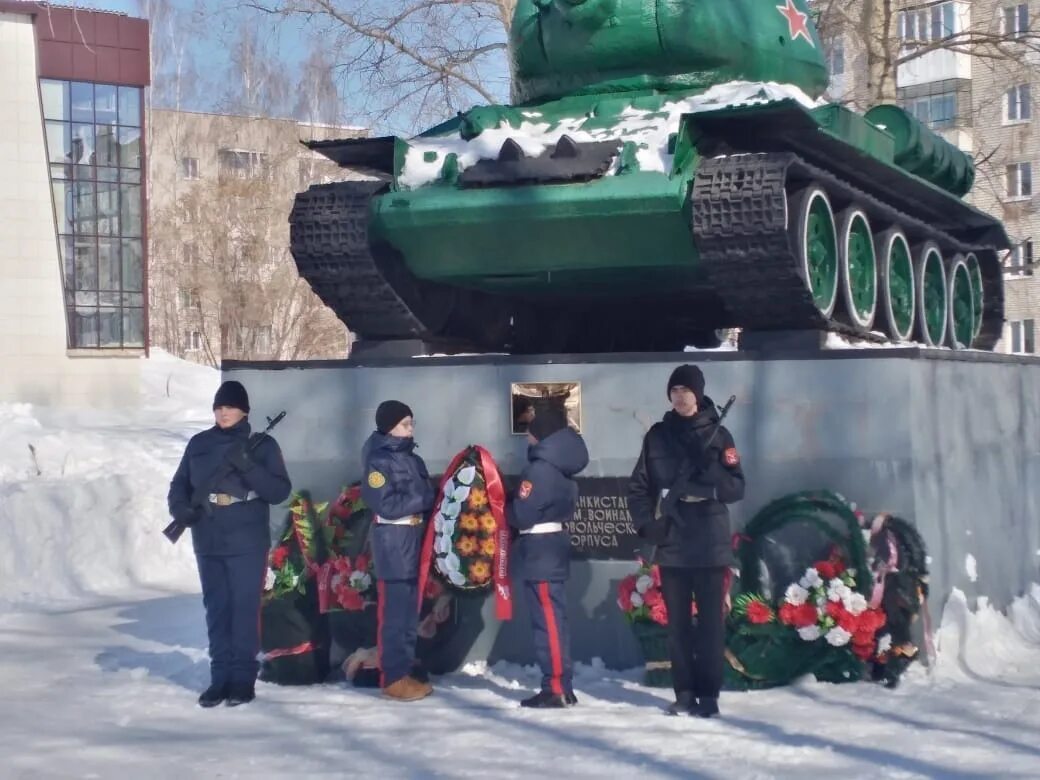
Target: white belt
x: 409, y: 520
x: 543, y: 528
x: 225, y: 499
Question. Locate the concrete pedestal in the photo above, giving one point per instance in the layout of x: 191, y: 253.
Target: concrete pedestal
x: 949, y: 440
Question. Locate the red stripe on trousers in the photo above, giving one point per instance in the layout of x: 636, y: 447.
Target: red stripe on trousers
x: 381, y: 602
x: 554, y: 639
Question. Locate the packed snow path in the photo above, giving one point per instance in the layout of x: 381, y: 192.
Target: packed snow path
x: 109, y: 691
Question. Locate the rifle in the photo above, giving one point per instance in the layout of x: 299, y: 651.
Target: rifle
x: 200, y: 496
x: 687, y: 471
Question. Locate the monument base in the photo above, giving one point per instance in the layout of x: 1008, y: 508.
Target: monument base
x: 948, y: 440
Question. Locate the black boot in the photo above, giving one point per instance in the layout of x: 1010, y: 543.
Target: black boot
x: 569, y: 698
x: 241, y: 693
x: 684, y: 704
x: 213, y: 695
x: 706, y: 708
x: 545, y: 700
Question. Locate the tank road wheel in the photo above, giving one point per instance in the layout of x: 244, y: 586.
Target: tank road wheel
x: 977, y: 298
x: 811, y: 222
x: 898, y: 302
x: 932, y: 297
x: 858, y: 268
x: 961, y: 305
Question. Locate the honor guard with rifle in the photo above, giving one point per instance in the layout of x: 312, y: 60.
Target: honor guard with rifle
x: 688, y: 470
x: 223, y: 490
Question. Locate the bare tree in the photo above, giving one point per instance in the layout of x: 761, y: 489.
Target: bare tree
x: 407, y: 63
x: 880, y: 34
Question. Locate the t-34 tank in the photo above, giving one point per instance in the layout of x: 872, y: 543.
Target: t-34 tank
x: 667, y: 169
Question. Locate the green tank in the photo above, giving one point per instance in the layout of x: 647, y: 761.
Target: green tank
x: 666, y: 170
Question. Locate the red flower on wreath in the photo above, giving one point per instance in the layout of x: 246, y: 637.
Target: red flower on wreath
x: 830, y: 568
x: 798, y: 616
x: 278, y: 556
x: 759, y: 613
x: 659, y: 614
x: 350, y: 599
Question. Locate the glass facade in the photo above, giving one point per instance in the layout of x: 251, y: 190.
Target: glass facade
x: 94, y: 146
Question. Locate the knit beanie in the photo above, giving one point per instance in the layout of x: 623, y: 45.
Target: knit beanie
x: 690, y: 377
x: 547, y: 422
x: 389, y: 414
x: 232, y: 394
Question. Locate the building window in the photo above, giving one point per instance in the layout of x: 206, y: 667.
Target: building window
x: 1016, y: 20
x: 923, y: 25
x: 1020, y: 180
x: 836, y: 56
x: 94, y: 147
x: 1017, y: 103
x: 255, y: 340
x: 190, y: 168
x: 936, y: 111
x: 192, y: 341
x: 1023, y: 338
x: 189, y: 298
x: 239, y: 164
x: 1019, y: 260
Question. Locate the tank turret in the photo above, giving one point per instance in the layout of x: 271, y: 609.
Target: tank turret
x: 666, y: 170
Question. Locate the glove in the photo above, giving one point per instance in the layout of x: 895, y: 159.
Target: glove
x: 238, y: 457
x: 186, y: 516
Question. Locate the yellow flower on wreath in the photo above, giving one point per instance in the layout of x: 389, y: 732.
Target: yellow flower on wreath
x: 487, y: 547
x: 469, y: 522
x: 477, y: 498
x: 480, y: 572
x: 488, y: 524
x: 467, y: 546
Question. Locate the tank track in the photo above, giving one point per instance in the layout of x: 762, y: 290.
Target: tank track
x: 740, y: 229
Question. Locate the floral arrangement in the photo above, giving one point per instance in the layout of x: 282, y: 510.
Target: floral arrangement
x: 823, y: 603
x: 293, y: 561
x: 640, y: 597
x: 467, y: 542
x: 345, y: 582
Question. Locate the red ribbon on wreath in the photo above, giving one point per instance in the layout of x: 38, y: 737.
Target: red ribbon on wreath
x: 497, y: 504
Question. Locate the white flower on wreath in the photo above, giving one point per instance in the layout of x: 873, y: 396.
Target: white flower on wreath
x: 268, y: 580
x: 460, y: 494
x: 854, y: 602
x: 449, y: 488
x: 360, y: 580
x: 884, y: 644
x: 811, y: 579
x: 838, y: 590
x: 451, y: 509
x: 644, y: 583
x: 821, y: 600
x: 637, y: 600
x: 838, y: 637
x: 442, y: 543
x: 796, y: 594
x: 809, y: 633
x: 467, y: 475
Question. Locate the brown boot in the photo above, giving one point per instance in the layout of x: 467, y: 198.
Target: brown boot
x: 407, y: 689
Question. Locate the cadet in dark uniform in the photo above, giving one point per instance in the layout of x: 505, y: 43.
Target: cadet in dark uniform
x: 231, y: 543
x: 541, y: 511
x: 693, y: 542
x: 397, y: 488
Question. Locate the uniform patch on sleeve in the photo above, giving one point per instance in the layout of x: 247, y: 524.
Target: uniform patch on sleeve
x: 730, y: 456
x: 376, y: 479
x: 525, y: 489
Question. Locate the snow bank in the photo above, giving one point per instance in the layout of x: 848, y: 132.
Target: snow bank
x: 83, y: 494
x: 987, y: 643
x: 648, y: 129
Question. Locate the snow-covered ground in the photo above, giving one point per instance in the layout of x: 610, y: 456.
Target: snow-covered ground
x: 103, y: 648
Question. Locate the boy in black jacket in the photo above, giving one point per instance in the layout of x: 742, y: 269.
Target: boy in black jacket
x: 540, y: 511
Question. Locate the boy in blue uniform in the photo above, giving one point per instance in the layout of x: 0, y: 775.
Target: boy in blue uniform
x: 396, y: 486
x: 232, y: 541
x: 540, y: 512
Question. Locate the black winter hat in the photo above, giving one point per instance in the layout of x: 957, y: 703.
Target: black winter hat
x: 389, y: 414
x: 232, y: 394
x: 687, y: 376
x: 546, y: 422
